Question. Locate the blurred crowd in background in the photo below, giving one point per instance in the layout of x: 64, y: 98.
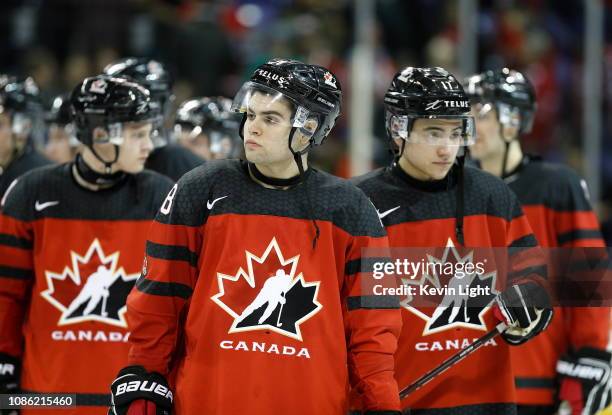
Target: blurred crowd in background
x: 211, y: 46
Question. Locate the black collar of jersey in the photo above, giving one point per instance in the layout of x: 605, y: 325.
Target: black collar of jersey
x: 442, y: 185
x: 102, y: 181
x: 527, y: 158
x: 272, y: 181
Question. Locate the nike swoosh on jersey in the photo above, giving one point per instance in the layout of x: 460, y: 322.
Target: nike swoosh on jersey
x: 210, y: 204
x: 387, y: 212
x: 41, y: 206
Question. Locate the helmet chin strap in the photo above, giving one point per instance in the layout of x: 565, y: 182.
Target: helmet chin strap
x: 108, y: 165
x: 507, y: 143
x: 297, y: 156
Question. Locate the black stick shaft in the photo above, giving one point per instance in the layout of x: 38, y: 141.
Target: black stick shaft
x: 451, y: 361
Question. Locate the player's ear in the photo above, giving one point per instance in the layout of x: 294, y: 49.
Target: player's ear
x: 305, y: 133
x: 99, y: 135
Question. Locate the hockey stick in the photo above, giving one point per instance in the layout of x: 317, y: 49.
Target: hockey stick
x: 451, y: 361
x: 278, y: 322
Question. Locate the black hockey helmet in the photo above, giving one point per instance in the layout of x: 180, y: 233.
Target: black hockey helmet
x: 211, y: 116
x: 313, y: 91
x: 509, y: 91
x: 60, y: 112
x: 108, y: 102
x: 151, y: 74
x: 20, y: 97
x: 426, y: 93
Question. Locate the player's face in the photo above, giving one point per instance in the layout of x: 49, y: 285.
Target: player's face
x: 198, y: 145
x: 488, y: 140
x: 136, y: 147
x: 266, y: 130
x: 426, y: 161
x: 6, y: 141
x: 58, y: 148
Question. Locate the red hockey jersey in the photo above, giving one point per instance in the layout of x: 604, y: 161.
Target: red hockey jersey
x: 247, y: 314
x: 68, y: 259
x: 555, y: 201
x: 422, y: 214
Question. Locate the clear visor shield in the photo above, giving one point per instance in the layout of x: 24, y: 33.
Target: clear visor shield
x: 274, y: 108
x: 220, y: 143
x: 67, y: 132
x: 115, y: 133
x: 507, y: 115
x: 453, y: 131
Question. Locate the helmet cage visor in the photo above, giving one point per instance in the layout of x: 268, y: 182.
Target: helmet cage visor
x: 269, y: 102
x: 401, y: 126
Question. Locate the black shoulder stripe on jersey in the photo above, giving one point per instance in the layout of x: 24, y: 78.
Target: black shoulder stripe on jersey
x: 363, y: 265
x: 15, y: 242
x: 522, y: 243
x: 539, y: 270
x: 373, y: 302
x: 578, y: 234
x: 16, y: 273
x: 477, y: 409
x: 526, y: 383
x: 485, y: 195
x: 172, y: 253
x: 164, y: 289
x: 527, y: 241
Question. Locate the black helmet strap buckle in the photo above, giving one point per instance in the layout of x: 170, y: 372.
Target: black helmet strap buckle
x: 108, y: 165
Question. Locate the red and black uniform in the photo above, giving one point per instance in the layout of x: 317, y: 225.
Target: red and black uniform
x: 252, y: 297
x: 27, y: 161
x: 423, y: 214
x: 68, y: 259
x: 556, y: 204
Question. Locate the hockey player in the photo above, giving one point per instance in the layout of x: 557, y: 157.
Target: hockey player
x: 557, y: 206
x: 166, y: 158
x: 19, y: 108
x: 208, y: 128
x: 228, y: 228
x: 427, y: 198
x: 70, y: 238
x: 62, y: 143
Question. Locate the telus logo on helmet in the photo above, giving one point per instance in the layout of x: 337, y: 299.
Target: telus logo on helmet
x: 447, y: 104
x: 270, y: 76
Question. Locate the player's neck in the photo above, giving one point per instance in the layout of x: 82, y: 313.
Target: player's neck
x: 90, y: 178
x: 494, y: 163
x: 96, y: 165
x: 283, y: 170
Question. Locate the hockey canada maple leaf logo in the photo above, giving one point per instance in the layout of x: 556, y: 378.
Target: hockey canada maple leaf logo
x: 92, y: 288
x: 269, y: 295
x: 452, y: 305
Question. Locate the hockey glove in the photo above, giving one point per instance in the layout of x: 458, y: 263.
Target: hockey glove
x: 9, y: 379
x: 584, y: 381
x: 138, y: 392
x: 526, y: 309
